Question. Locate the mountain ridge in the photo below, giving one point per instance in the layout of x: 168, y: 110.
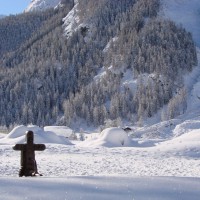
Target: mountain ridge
x: 41, y: 5
x: 76, y: 65
x: 36, y: 5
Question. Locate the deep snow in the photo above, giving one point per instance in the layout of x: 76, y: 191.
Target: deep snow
x: 104, y: 154
x: 146, y: 169
x: 161, y: 162
x: 17, y: 135
x: 100, y: 188
x: 110, y: 137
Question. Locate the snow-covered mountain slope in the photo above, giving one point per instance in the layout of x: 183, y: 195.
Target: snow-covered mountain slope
x: 42, y: 4
x: 161, y: 162
x: 187, y: 14
x: 176, y: 10
x: 71, y: 21
x: 184, y: 12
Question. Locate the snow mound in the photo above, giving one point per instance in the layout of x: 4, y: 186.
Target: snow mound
x: 192, y: 136
x: 36, y: 5
x: 115, y: 136
x: 186, y: 126
x: 161, y: 130
x: 17, y: 135
x: 60, y: 130
x: 2, y: 135
x: 187, y: 144
x: 20, y: 131
x: 110, y: 137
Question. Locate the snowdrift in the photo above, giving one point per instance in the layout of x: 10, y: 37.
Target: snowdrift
x: 60, y: 130
x: 110, y: 137
x: 2, y: 135
x: 187, y: 144
x: 101, y: 188
x: 17, y: 135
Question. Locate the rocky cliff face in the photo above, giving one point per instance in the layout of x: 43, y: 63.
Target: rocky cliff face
x: 42, y: 4
x: 36, y: 5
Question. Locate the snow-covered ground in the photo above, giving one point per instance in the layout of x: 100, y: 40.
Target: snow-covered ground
x: 161, y: 162
x: 100, y: 188
x: 110, y: 152
x: 114, y: 167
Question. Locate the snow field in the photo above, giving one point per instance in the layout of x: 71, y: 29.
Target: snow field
x: 62, y: 160
x: 100, y: 188
x: 111, y: 152
x: 162, y: 163
x: 109, y: 165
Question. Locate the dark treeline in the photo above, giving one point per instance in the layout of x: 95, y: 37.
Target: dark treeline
x: 50, y: 75
x: 15, y: 29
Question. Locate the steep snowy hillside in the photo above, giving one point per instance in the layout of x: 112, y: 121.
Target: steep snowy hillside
x: 182, y: 124
x: 186, y: 13
x: 71, y: 21
x: 125, y: 58
x: 182, y: 12
x: 42, y: 4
